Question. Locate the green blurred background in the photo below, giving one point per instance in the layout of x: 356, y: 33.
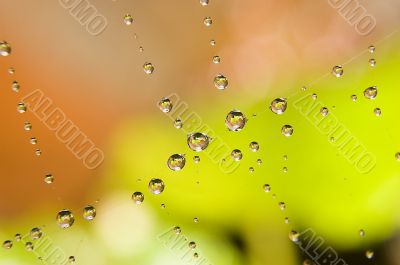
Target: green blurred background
x: 268, y: 49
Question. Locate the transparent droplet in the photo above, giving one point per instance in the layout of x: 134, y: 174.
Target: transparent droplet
x: 236, y: 155
x: 192, y: 245
x: 148, y: 68
x: 11, y: 71
x: 294, y: 236
x: 259, y: 161
x: 216, y: 59
x: 196, y: 220
x: 282, y: 205
x: 354, y: 97
x: 324, y: 111
x: 38, y: 152
x: 138, y: 197
x: 208, y: 21
x: 89, y: 213
x: 308, y: 262
x: 198, y: 141
x: 287, y: 130
x: 369, y: 254
x: 35, y: 233
x: 220, y: 82
x: 372, y: 62
x: 371, y: 92
x: 378, y: 112
x: 285, y: 170
x: 213, y: 42
x: 278, y: 105
x: 71, y: 259
x: 203, y: 2
x: 178, y: 124
x: 235, y: 120
x: 49, y: 178
x: 195, y: 255
x: 128, y: 19
x: 196, y: 159
x: 287, y: 221
x: 15, y: 86
x: 21, y: 107
x: 267, y: 188
x: 27, y: 126
x: 314, y: 96
x: 28, y: 246
x: 177, y: 230
x: 371, y: 49
x: 176, y: 162
x: 18, y: 237
x: 141, y: 49
x: 362, y: 233
x: 251, y: 169
x: 156, y: 186
x: 397, y: 156
x: 254, y: 146
x: 65, y: 219
x: 7, y: 244
x: 337, y: 71
x: 33, y: 140
x: 285, y: 157
x: 165, y: 105
x: 5, y: 48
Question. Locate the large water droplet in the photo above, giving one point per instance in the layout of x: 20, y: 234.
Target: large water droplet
x: 278, y: 105
x: 65, y: 219
x: 236, y: 155
x: 156, y: 186
x: 220, y: 82
x: 176, y: 162
x: 198, y: 141
x: 138, y: 197
x: 235, y: 120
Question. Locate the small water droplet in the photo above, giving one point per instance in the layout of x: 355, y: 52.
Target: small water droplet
x: 196, y: 220
x: 15, y: 86
x: 128, y: 19
x: 287, y: 221
x: 21, y: 107
x: 251, y: 169
x: 176, y: 162
x: 11, y: 71
x: 192, y: 245
x: 198, y: 141
x: 213, y: 42
x: 254, y: 146
x: 369, y: 254
x: 220, y: 82
x: 236, y: 155
x: 216, y: 59
x: 208, y: 21
x: 156, y: 186
x: 28, y: 246
x: 235, y: 120
x: 177, y: 230
x: 196, y: 159
x: 314, y: 96
x: 49, y: 178
x: 278, y: 105
x: 372, y: 62
x: 5, y: 48
x: 267, y: 188
x: 71, y: 259
x: 371, y: 92
x: 285, y: 157
x: 33, y: 140
x: 378, y: 112
x: 353, y: 97
x: 27, y: 126
x: 371, y: 49
x: 138, y: 197
x: 285, y: 170
x: 141, y: 49
x: 203, y: 2
x: 38, y: 152
x: 148, y: 68
x: 259, y: 162
x: 337, y: 71
x: 35, y: 233
x: 287, y: 130
x: 89, y: 213
x: 294, y: 236
x: 7, y: 244
x: 165, y: 105
x: 282, y: 206
x: 397, y: 156
x: 362, y: 233
x: 65, y: 219
x: 18, y: 237
x: 162, y: 206
x: 324, y: 111
x: 178, y: 124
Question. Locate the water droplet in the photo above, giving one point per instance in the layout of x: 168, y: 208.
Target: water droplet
x: 71, y: 259
x: 196, y: 255
x: 28, y: 246
x: 362, y: 233
x: 49, y: 178
x: 267, y: 188
x: 33, y: 140
x: 397, y: 156
x: 15, y: 86
x: 5, y: 48
x: 287, y: 221
x: 259, y: 161
x: 378, y: 112
x: 254, y: 146
x: 235, y: 120
x: 141, y: 49
x: 324, y: 111
x: 236, y: 155
x: 308, y: 262
x: 65, y: 219
x: 176, y: 162
x: 314, y: 96
x: 7, y: 244
x: 36, y: 233
x: 294, y: 236
x: 177, y: 230
x: 369, y: 254
x: 354, y: 97
x: 38, y: 152
x: 251, y: 169
x: 371, y: 92
x: 287, y: 130
x: 18, y: 237
x: 192, y: 245
x: 11, y: 71
x: 285, y: 157
x: 178, y: 124
x: 156, y: 186
x: 285, y: 170
x: 138, y: 197
x: 203, y: 2
x: 21, y: 107
x: 162, y: 206
x: 208, y: 21
x: 371, y: 49
x: 216, y: 59
x: 337, y: 71
x: 165, y: 105
x: 278, y: 105
x: 148, y: 68
x: 128, y: 19
x: 213, y: 42
x: 89, y: 213
x: 220, y: 82
x: 196, y: 159
x: 196, y: 220
x: 372, y: 62
x: 27, y: 126
x: 282, y: 206
x: 198, y: 141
